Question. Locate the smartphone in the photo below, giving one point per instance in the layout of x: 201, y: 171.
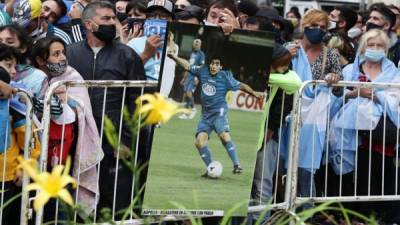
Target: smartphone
x: 135, y: 22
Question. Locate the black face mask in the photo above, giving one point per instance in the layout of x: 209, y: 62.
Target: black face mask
x: 105, y: 33
x: 314, y: 35
x: 370, y: 26
x: 121, y: 16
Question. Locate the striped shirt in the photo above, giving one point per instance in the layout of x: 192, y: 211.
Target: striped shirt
x: 77, y: 33
x: 4, y: 18
x: 54, y: 31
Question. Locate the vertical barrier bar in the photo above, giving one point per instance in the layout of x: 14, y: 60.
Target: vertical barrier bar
x: 291, y: 186
x: 27, y: 151
x: 136, y: 153
x: 118, y: 151
x: 45, y: 140
x: 101, y: 141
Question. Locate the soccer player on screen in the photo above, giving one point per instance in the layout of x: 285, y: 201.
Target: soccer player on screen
x: 215, y: 83
x: 189, y: 81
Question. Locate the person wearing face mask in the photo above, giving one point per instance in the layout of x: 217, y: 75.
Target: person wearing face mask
x: 48, y: 54
x: 120, y: 8
x: 15, y: 36
x: 294, y: 17
x: 314, y: 61
x: 107, y: 59
x: 132, y: 26
x: 381, y: 17
x: 356, y: 31
x: 341, y: 19
x: 370, y: 65
x: 180, y: 5
x: 315, y: 24
x: 27, y: 75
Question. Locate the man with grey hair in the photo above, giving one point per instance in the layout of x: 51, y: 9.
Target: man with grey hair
x: 100, y: 57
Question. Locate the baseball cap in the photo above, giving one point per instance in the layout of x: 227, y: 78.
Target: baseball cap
x: 164, y: 4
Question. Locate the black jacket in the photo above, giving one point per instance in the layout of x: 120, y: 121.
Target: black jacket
x: 114, y: 61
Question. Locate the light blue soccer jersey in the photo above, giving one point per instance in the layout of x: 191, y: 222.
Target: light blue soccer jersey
x: 214, y: 88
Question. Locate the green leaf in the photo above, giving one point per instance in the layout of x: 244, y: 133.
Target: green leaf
x: 110, y: 132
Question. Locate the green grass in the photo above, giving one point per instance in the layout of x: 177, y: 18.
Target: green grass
x: 176, y: 167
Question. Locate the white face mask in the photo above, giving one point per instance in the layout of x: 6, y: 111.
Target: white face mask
x: 354, y: 32
x: 209, y: 24
x: 332, y: 25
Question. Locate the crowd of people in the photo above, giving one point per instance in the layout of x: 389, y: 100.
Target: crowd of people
x: 42, y: 42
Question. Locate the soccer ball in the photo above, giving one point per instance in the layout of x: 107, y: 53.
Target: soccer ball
x: 214, y: 170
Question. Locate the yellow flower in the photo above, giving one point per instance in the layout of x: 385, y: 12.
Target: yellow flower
x: 157, y: 109
x: 50, y: 185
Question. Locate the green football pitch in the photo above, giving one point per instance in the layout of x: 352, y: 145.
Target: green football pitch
x: 175, y: 166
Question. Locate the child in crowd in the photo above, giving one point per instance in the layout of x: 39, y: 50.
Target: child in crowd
x: 12, y: 138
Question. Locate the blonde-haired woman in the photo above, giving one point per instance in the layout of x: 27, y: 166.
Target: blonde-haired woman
x: 315, y: 24
x: 314, y: 61
x: 375, y: 155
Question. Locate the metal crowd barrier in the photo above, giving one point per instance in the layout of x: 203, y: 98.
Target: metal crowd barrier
x: 343, y: 192
x: 287, y: 184
x: 28, y: 143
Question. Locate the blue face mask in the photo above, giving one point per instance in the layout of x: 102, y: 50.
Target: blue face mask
x: 314, y: 35
x: 374, y: 55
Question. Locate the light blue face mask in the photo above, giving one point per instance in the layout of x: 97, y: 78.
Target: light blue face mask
x: 374, y: 55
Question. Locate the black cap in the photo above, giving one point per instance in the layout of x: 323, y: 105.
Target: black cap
x: 271, y: 14
x: 386, y: 12
x: 167, y: 5
x: 247, y: 7
x: 191, y: 11
x: 278, y: 52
